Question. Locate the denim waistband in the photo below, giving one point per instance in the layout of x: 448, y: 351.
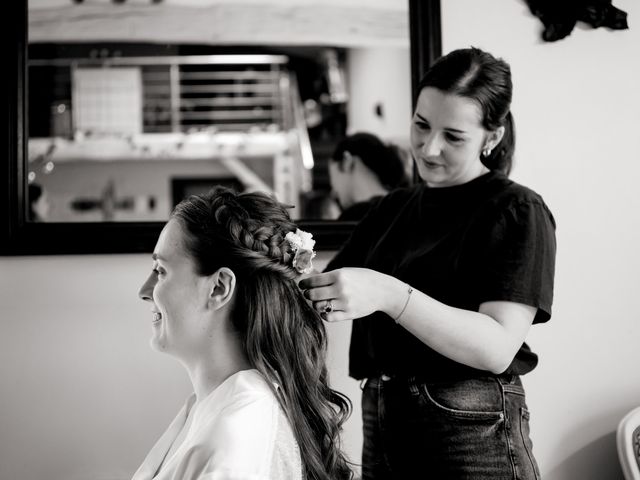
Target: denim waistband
x: 505, y: 379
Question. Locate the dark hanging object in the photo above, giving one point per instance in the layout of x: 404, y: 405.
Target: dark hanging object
x: 559, y: 17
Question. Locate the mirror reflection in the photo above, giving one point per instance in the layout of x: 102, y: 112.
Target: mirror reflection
x: 134, y: 105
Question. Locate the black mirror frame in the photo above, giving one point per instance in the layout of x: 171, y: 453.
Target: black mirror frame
x: 20, y: 237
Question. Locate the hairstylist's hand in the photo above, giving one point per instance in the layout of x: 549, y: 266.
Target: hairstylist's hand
x: 349, y: 293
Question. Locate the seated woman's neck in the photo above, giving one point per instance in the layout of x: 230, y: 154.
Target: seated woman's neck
x: 226, y: 358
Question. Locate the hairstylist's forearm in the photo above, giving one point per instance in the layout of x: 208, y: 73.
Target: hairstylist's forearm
x: 486, y: 341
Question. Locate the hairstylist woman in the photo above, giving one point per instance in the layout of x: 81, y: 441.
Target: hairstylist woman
x: 444, y: 280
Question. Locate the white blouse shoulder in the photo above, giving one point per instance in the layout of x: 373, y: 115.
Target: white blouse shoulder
x: 238, y: 432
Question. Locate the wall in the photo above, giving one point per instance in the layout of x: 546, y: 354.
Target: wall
x: 379, y: 77
x: 576, y: 108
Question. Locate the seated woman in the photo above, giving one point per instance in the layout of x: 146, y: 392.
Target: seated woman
x: 225, y: 304
x: 362, y: 170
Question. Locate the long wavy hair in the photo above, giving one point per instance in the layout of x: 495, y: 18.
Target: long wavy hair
x: 283, y: 336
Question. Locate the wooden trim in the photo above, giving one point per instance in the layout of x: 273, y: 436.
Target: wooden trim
x: 12, y: 171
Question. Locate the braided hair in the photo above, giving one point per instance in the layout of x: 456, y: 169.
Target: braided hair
x: 283, y: 336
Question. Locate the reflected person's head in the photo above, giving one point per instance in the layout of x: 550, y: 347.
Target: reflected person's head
x: 462, y: 124
x: 362, y: 165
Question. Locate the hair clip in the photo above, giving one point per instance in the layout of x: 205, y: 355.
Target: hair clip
x: 302, y: 244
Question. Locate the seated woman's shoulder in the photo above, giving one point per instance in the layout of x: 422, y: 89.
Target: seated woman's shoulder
x: 251, y: 433
x: 249, y: 404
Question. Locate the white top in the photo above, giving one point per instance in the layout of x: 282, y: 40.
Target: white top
x: 238, y: 432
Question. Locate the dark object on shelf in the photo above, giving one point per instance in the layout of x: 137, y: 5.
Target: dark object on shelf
x: 182, y: 187
x: 559, y: 18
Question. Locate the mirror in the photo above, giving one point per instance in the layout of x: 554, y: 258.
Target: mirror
x: 127, y: 111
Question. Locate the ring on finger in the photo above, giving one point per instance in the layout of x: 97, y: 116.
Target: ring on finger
x: 328, y: 308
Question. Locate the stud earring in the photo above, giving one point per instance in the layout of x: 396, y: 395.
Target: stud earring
x: 486, y: 152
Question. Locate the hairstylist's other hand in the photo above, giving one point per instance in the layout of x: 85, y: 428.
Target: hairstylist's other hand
x: 347, y: 293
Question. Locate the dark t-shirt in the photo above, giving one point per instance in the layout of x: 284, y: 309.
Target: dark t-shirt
x: 488, y: 239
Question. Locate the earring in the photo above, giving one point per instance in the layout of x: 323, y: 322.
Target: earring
x: 486, y: 152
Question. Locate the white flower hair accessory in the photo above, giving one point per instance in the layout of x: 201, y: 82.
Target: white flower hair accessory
x: 302, y: 244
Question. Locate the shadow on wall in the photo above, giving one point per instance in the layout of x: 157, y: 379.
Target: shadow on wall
x: 597, y: 460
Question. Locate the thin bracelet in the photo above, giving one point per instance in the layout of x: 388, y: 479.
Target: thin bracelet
x: 409, y: 291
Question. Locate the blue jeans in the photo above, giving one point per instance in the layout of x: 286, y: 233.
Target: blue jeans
x: 470, y: 429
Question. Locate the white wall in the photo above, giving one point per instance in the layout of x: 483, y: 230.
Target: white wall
x: 379, y: 76
x: 577, y: 112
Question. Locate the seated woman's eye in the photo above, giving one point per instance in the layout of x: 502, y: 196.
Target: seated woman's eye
x: 422, y: 125
x: 453, y: 138
x: 158, y: 271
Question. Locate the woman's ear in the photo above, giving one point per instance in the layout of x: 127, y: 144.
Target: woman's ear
x: 493, y: 138
x: 222, y: 285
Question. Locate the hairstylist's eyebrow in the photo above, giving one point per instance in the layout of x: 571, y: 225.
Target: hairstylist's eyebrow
x: 422, y: 118
x: 448, y: 129
x: 455, y: 130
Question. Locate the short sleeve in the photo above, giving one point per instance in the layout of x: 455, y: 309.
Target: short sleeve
x: 518, y: 264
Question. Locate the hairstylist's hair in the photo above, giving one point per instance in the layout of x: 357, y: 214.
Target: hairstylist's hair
x: 479, y: 76
x: 384, y: 160
x: 283, y: 336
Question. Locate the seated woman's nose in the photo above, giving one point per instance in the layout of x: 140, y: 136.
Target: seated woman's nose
x: 146, y: 290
